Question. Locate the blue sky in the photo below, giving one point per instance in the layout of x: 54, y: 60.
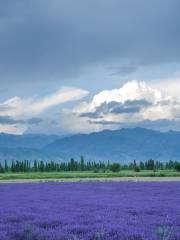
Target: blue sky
x: 56, y: 57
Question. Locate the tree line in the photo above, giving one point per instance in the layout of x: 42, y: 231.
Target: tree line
x: 82, y: 165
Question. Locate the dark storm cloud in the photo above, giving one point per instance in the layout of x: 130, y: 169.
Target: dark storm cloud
x: 8, y: 120
x: 128, y: 107
x: 123, y: 70
x: 34, y: 120
x: 42, y: 39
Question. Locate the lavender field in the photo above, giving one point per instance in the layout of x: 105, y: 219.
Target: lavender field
x: 90, y: 211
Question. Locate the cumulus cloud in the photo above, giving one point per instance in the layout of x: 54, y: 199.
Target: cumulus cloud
x: 135, y: 102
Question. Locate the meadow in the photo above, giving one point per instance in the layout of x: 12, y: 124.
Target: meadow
x: 90, y: 211
x: 78, y: 175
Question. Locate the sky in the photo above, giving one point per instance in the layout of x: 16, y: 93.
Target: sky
x: 81, y: 66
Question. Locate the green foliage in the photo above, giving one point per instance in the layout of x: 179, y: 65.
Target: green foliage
x: 137, y: 169
x: 177, y: 167
x: 150, y: 164
x: 115, y: 167
x: 142, y: 166
x: 1, y: 169
x: 83, y: 165
x: 79, y: 175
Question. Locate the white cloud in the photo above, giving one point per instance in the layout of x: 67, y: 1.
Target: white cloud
x: 133, y: 102
x: 169, y: 86
x: 67, y: 123
x: 132, y: 90
x: 13, y: 129
x: 71, y: 123
x: 24, y: 109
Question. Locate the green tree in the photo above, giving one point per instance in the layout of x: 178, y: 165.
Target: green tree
x: 137, y: 168
x: 150, y: 164
x: 82, y: 163
x: 115, y: 167
x: 2, y: 170
x: 141, y: 165
x: 6, y: 166
x: 177, y: 167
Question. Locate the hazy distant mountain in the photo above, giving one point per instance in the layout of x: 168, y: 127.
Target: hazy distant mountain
x: 25, y: 141
x: 22, y: 147
x: 119, y: 145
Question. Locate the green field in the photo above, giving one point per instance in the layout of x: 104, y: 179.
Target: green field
x: 89, y: 175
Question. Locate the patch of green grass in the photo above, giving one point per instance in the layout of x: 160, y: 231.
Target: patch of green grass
x: 86, y: 175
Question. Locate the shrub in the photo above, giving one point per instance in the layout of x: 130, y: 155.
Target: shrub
x: 136, y: 169
x: 115, y: 167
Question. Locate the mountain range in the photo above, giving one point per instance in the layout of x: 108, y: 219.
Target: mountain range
x: 122, y: 145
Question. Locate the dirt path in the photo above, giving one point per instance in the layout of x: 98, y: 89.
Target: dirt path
x: 133, y: 179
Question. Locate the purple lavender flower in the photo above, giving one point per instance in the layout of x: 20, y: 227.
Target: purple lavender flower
x: 90, y: 211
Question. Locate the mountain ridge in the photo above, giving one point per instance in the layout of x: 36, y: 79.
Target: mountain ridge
x: 122, y: 145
